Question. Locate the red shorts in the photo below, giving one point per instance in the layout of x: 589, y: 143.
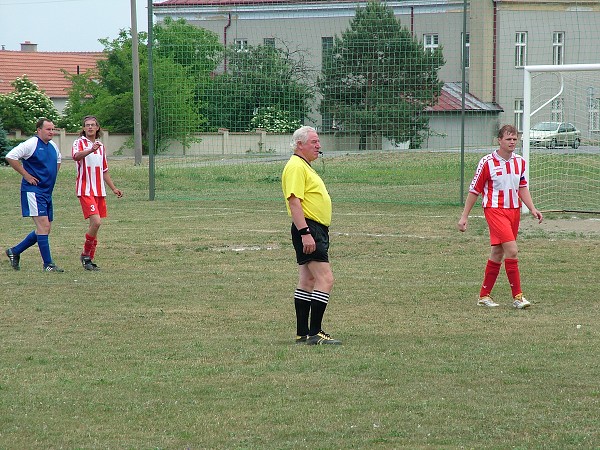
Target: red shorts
x: 503, y: 224
x: 91, y: 205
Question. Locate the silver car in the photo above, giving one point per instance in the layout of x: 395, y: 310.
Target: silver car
x: 554, y: 134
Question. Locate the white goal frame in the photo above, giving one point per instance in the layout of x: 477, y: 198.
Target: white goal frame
x: 527, y: 73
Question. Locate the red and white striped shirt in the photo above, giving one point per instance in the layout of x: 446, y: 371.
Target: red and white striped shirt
x: 498, y: 181
x: 90, y: 170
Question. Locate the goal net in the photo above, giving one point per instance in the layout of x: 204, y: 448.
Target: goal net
x: 561, y: 136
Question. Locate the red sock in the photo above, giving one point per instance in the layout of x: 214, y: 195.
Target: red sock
x: 492, y: 269
x: 514, y: 277
x: 93, y: 250
x: 88, y: 246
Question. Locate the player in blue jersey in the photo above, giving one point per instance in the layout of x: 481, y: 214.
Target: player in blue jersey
x: 37, y: 160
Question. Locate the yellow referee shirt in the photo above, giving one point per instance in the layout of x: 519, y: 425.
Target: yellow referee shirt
x: 302, y: 181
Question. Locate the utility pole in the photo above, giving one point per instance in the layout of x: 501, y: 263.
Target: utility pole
x: 137, y: 103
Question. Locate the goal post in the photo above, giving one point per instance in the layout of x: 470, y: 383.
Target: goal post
x: 563, y: 164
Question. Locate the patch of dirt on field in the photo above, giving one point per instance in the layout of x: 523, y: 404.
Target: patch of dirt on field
x: 575, y: 224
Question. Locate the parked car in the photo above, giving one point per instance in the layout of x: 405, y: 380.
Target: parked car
x: 554, y: 134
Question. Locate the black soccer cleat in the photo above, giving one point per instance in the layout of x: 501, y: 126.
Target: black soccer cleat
x: 14, y: 259
x: 301, y: 339
x: 53, y: 268
x: 322, y: 338
x: 88, y: 264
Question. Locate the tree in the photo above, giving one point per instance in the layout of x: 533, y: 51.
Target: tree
x: 83, y: 89
x: 177, y: 113
x: 4, y: 145
x: 185, y: 58
x: 378, y: 78
x: 196, y: 49
x: 108, y: 92
x: 258, y: 79
x: 22, y: 108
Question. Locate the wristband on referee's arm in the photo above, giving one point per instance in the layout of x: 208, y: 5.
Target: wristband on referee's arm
x: 304, y: 231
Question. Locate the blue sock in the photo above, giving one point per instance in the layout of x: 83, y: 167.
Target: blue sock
x: 29, y: 240
x: 44, y: 245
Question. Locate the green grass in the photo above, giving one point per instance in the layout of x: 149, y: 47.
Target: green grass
x: 185, y: 338
x: 406, y: 178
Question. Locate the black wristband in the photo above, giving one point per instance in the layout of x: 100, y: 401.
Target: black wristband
x: 304, y: 231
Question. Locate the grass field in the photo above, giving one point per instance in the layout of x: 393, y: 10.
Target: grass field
x: 185, y: 338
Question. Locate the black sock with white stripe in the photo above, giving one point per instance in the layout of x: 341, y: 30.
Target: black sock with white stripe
x: 318, y: 306
x: 302, y: 302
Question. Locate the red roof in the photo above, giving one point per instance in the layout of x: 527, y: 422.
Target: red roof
x: 43, y: 68
x: 450, y: 99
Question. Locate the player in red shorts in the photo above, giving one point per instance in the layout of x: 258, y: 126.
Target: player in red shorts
x: 500, y: 179
x: 92, y: 171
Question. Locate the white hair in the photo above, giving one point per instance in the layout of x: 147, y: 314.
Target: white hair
x: 301, y: 134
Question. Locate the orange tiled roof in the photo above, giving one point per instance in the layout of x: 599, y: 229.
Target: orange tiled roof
x: 43, y: 68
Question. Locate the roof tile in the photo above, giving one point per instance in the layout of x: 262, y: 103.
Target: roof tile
x: 44, y: 69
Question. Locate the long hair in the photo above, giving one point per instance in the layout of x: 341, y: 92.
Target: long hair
x: 85, y: 119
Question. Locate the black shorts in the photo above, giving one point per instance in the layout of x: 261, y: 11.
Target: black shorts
x: 320, y: 234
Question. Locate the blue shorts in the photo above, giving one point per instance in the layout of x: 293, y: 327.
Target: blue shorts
x: 34, y: 205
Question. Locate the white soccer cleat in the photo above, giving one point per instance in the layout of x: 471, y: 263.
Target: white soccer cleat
x: 521, y: 302
x: 486, y: 300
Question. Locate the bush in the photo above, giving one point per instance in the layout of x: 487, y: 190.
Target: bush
x: 4, y: 145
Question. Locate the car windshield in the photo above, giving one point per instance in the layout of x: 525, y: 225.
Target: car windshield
x: 546, y: 126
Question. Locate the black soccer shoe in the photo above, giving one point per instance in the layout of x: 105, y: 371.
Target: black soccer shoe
x: 301, y: 339
x: 14, y: 259
x: 53, y: 268
x: 88, y: 264
x: 322, y: 338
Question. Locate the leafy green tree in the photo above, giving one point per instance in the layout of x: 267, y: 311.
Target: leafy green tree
x: 112, y: 100
x: 258, y: 78
x: 184, y: 58
x: 83, y: 89
x: 22, y: 108
x: 177, y: 114
x: 196, y: 49
x: 4, y: 145
x: 378, y: 78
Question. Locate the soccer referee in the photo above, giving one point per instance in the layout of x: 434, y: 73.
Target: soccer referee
x: 309, y: 205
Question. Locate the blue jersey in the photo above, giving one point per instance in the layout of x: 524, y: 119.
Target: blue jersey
x: 41, y: 160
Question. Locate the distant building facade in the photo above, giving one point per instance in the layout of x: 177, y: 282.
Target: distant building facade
x: 501, y: 36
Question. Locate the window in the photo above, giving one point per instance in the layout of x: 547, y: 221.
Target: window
x: 269, y: 42
x: 520, y: 48
x: 467, y: 50
x: 519, y: 106
x: 594, y: 114
x: 241, y: 44
x: 557, y: 110
x: 558, y: 47
x: 431, y: 42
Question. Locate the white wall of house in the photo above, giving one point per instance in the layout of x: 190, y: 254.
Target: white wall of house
x: 480, y: 131
x: 116, y: 144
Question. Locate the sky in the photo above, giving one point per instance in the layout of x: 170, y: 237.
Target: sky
x: 67, y: 25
